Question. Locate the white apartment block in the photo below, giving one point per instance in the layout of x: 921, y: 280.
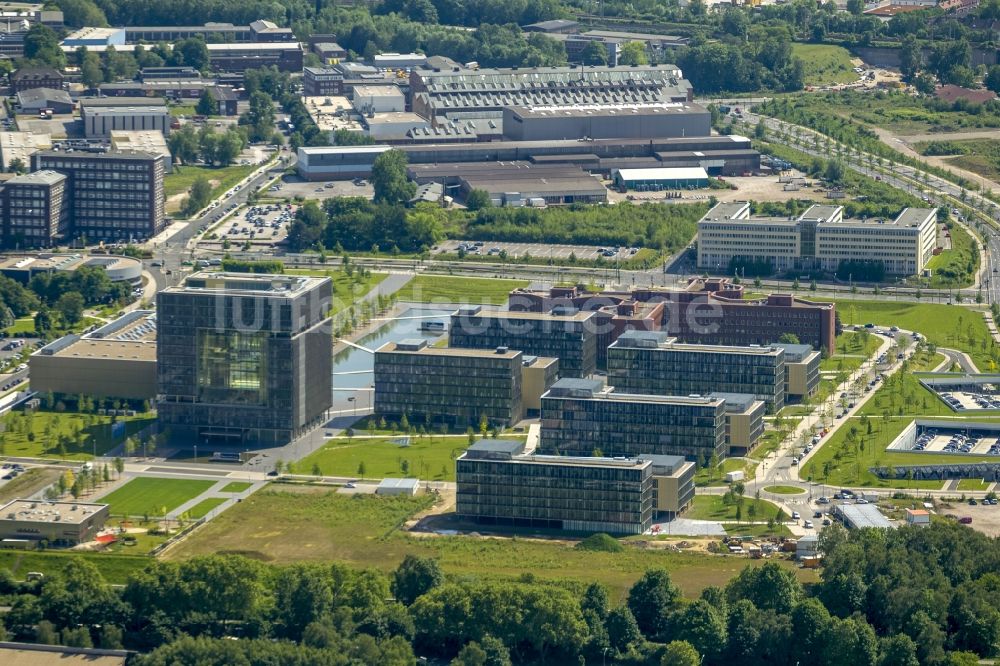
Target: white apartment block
x: 820, y: 238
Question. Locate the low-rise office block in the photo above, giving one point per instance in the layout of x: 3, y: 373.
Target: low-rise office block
x: 568, y: 335
x: 801, y: 370
x: 61, y: 523
x: 744, y: 421
x: 499, y: 483
x: 654, y: 363
x: 581, y: 416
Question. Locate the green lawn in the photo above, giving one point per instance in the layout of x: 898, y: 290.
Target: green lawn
x: 772, y: 438
x: 980, y: 156
x: 147, y: 495
x: 825, y: 64
x: 21, y: 325
x: 431, y: 457
x: 115, y: 568
x: 313, y: 524
x: 851, y: 349
x: 449, y: 289
x: 717, y: 477
x: 973, y: 484
x: 950, y: 326
x: 221, y: 179
x: 80, y: 434
x: 347, y: 289
x: 957, y: 266
x: 202, y: 508
x: 178, y: 110
x: 236, y: 487
x: 714, y: 507
x: 26, y: 325
x: 784, y: 490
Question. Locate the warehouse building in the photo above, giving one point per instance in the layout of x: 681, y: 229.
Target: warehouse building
x: 118, y: 360
x: 606, y: 121
x: 258, y: 31
x: 36, y: 211
x: 113, y: 196
x: 286, y: 56
x: 651, y: 362
x: 44, y: 99
x: 58, y: 523
x: 515, y: 183
x: 378, y: 99
x: 244, y: 359
x: 660, y: 178
x: 568, y: 335
x: 859, y: 516
x: 338, y: 162
x: 820, y: 238
x: 801, y: 369
x: 90, y: 36
x: 581, y: 416
x: 101, y: 118
x: 501, y: 483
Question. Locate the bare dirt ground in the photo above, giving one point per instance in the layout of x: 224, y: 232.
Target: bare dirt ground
x: 903, y: 143
x: 985, y: 519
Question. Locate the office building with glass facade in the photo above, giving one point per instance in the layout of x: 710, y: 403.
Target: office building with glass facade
x: 652, y: 362
x: 244, y: 359
x: 457, y: 386
x: 801, y: 370
x: 501, y: 484
x: 744, y: 421
x: 581, y: 416
x: 567, y: 334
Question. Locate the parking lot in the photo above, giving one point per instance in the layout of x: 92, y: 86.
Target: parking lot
x: 264, y: 224
x: 514, y: 250
x: 965, y: 401
x: 294, y: 187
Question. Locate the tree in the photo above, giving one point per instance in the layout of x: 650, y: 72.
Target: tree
x: 910, y: 57
x: 259, y: 118
x: 192, y: 52
x: 43, y: 321
x: 17, y: 166
x: 595, y: 54
x: 633, y: 53
x: 70, y: 307
x: 650, y: 598
x: 90, y: 68
x: 198, y: 197
x: 415, y: 576
x: 623, y: 632
x: 41, y: 43
x: 470, y: 655
x: 789, y: 338
x: 389, y: 178
x: 992, y: 80
x: 207, y: 104
x: 898, y: 650
x: 770, y: 587
x: 477, y: 200
x: 680, y: 653
x: 700, y: 625
x: 856, y: 7
x: 184, y: 144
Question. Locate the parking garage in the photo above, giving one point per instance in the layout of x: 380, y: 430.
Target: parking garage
x: 949, y: 437
x: 966, y: 392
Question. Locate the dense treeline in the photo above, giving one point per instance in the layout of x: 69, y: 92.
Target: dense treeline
x: 356, y: 224
x: 908, y: 597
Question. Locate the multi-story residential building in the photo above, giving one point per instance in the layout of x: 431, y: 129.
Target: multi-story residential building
x: 112, y: 196
x: 707, y: 311
x: 744, y: 421
x: 567, y: 334
x: 499, y: 483
x: 459, y: 386
x: 320, y: 81
x: 801, y: 369
x: 820, y: 238
x: 581, y: 416
x: 36, y: 210
x: 653, y: 362
x: 244, y: 358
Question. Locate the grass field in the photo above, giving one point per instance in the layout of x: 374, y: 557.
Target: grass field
x: 221, y: 179
x: 29, y: 483
x: 318, y: 525
x: 48, y: 427
x: 851, y: 350
x: 950, y: 326
x: 431, y: 457
x: 114, y: 568
x: 717, y: 478
x: 825, y: 64
x: 713, y: 507
x: 784, y: 490
x: 347, y: 289
x: 973, y: 484
x: 772, y: 438
x: 980, y: 156
x: 21, y: 325
x: 236, y: 487
x: 26, y: 326
x: 957, y: 266
x: 146, y: 495
x: 447, y: 289
x: 201, y: 509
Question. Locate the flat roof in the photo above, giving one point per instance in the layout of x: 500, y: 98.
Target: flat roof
x: 618, y: 110
x: 44, y: 177
x: 243, y: 283
x: 43, y: 511
x: 409, y: 484
x: 959, y: 380
x: 508, y: 314
x: 795, y: 353
x: 402, y: 347
x: 863, y: 515
x: 663, y: 341
x: 150, y: 141
x: 110, y: 350
x: 377, y: 91
x: 664, y: 173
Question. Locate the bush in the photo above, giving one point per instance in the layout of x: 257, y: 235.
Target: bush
x: 601, y: 542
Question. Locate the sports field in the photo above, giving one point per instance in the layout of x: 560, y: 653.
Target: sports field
x: 145, y: 495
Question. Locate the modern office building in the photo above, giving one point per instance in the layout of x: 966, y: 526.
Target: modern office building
x: 820, y: 239
x: 58, y: 523
x: 319, y: 81
x: 801, y: 369
x: 244, y: 358
x: 35, y: 210
x: 706, y: 311
x: 118, y: 360
x: 457, y: 386
x: 99, y: 119
x: 500, y: 483
x: 119, y: 268
x: 744, y: 421
x: 581, y: 416
x: 115, y: 196
x: 652, y: 362
x: 569, y: 335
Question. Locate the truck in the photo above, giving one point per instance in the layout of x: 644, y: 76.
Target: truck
x: 733, y: 477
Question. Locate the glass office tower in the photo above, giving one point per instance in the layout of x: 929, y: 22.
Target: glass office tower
x: 244, y: 359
